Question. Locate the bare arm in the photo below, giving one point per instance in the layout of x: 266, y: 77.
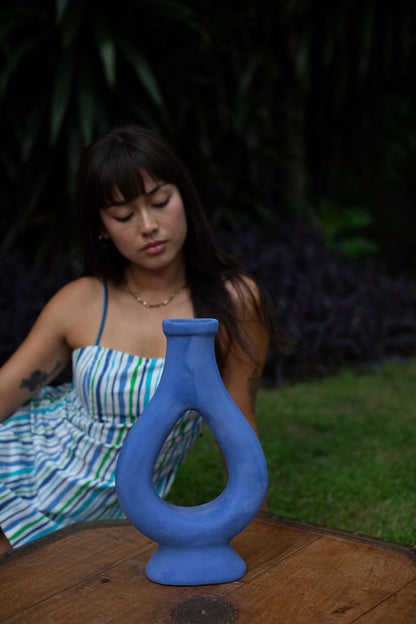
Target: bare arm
x: 37, y: 362
x: 242, y: 370
x: 42, y: 355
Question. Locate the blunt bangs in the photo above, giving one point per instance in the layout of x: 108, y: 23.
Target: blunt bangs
x: 123, y: 167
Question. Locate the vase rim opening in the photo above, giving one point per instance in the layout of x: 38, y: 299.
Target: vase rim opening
x: 190, y: 326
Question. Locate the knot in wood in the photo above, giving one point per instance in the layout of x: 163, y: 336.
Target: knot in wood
x: 204, y: 611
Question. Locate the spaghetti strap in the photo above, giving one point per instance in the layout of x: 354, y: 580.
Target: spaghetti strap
x: 100, y: 331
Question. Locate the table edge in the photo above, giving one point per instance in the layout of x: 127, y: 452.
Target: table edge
x: 406, y: 549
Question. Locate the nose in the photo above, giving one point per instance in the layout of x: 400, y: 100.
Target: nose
x: 148, y: 223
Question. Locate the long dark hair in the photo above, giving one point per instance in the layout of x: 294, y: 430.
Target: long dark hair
x: 118, y: 162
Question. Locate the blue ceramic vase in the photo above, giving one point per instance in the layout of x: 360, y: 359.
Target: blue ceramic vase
x: 193, y: 542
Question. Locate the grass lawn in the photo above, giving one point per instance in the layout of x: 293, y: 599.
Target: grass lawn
x: 341, y: 452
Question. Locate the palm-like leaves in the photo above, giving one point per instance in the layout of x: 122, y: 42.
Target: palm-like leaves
x: 68, y: 73
x: 247, y: 93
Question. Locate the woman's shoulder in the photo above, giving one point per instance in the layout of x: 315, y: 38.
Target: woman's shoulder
x: 242, y: 289
x: 86, y: 286
x: 73, y: 311
x: 76, y: 297
x: 82, y: 289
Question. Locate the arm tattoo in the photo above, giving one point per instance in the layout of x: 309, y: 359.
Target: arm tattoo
x: 38, y: 378
x: 252, y: 386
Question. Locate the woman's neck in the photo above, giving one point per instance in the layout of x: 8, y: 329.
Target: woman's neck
x: 158, y: 281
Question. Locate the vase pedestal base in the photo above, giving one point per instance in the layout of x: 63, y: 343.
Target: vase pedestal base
x: 197, y: 565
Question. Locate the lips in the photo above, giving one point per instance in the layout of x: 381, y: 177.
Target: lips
x: 154, y: 248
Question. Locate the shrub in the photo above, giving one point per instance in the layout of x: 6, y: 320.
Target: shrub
x: 338, y: 311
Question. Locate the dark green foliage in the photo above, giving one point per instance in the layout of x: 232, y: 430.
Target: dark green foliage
x: 278, y: 108
x: 358, y: 66
x: 339, y: 312
x: 73, y: 69
x: 70, y: 70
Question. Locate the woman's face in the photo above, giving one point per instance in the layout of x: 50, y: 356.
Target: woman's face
x: 151, y: 229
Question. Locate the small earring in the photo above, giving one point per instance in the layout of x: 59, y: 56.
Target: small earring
x: 104, y: 242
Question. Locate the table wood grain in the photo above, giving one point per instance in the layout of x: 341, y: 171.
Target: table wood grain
x: 298, y: 573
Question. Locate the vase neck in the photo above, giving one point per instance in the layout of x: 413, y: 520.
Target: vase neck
x: 186, y: 348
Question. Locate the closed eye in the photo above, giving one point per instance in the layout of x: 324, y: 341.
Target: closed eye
x: 124, y: 219
x: 162, y: 204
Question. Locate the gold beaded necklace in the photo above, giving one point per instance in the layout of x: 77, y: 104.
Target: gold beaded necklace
x: 146, y: 304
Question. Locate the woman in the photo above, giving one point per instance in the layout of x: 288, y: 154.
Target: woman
x: 149, y: 255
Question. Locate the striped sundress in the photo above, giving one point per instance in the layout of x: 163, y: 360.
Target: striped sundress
x: 58, y: 453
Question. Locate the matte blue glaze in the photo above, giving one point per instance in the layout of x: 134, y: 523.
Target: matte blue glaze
x: 194, y: 542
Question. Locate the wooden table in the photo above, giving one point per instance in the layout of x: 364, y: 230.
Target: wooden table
x: 297, y: 573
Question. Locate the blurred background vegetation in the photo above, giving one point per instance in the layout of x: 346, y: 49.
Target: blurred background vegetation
x: 285, y: 111
x: 280, y: 108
